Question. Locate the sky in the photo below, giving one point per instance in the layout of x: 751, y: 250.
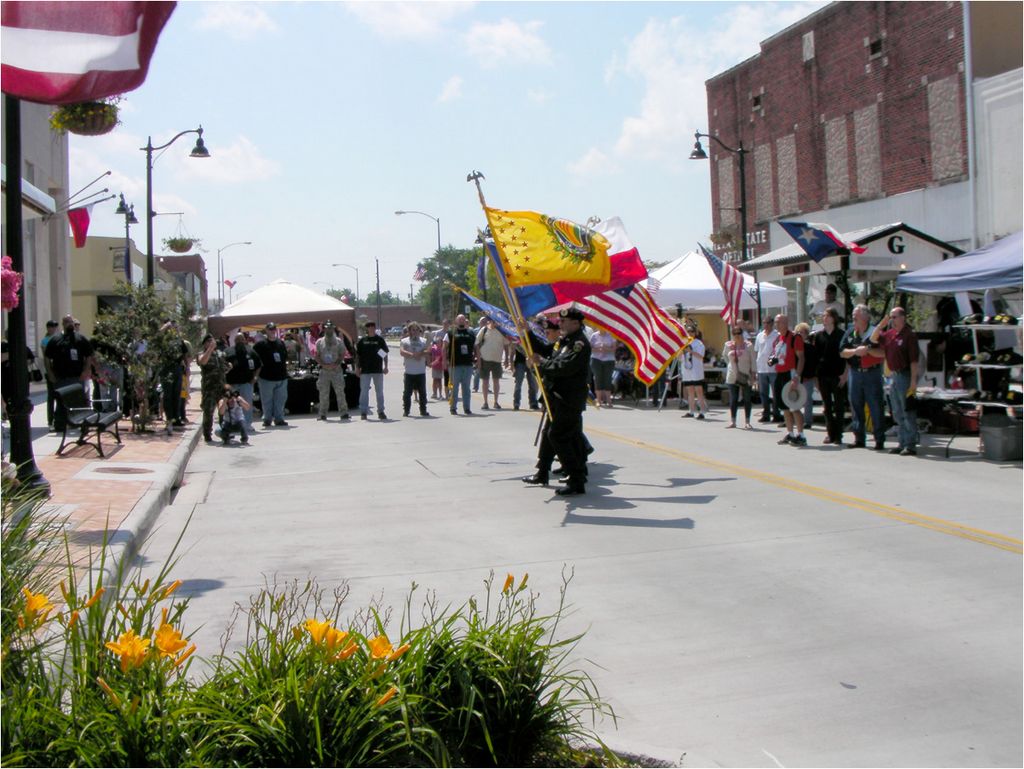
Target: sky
x: 322, y: 119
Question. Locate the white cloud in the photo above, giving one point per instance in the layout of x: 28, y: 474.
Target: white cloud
x: 238, y: 162
x: 493, y: 44
x: 452, y: 90
x: 539, y: 95
x: 242, y: 21
x: 673, y: 69
x: 407, y: 20
x: 593, y: 163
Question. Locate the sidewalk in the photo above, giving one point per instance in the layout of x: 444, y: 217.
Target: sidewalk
x: 119, y: 496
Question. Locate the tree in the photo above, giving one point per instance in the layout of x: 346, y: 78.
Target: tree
x: 130, y: 335
x: 451, y: 267
x: 386, y: 297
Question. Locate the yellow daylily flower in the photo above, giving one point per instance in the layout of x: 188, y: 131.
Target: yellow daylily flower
x: 130, y: 648
x: 509, y: 580
x: 347, y: 652
x: 171, y: 588
x: 36, y: 611
x: 399, y: 652
x: 526, y: 576
x: 317, y: 629
x: 380, y: 647
x: 387, y: 696
x: 184, y: 656
x: 168, y: 640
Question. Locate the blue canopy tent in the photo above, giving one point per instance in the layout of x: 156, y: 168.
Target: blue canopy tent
x: 997, y: 265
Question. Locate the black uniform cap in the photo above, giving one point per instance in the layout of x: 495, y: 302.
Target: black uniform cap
x: 572, y: 314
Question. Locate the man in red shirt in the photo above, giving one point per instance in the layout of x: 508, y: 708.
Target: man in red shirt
x: 898, y: 345
x: 788, y: 354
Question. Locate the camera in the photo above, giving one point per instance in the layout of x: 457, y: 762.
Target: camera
x: 235, y: 393
x: 773, y: 360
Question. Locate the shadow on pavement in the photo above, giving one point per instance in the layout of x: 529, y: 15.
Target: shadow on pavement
x: 572, y: 517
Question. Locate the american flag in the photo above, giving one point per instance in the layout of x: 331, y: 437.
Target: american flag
x: 420, y: 273
x: 630, y: 314
x: 65, y: 52
x: 731, y: 281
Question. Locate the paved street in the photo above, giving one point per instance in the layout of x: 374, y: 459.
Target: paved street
x: 745, y: 604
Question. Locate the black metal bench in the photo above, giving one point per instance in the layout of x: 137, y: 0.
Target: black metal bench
x: 85, y: 418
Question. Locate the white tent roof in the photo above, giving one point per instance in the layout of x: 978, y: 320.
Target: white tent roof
x: 689, y: 281
x: 281, y: 297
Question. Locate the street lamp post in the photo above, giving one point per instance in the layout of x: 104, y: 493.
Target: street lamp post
x: 220, y: 268
x: 199, y: 151
x: 234, y: 282
x: 128, y: 212
x: 342, y: 264
x: 699, y: 154
x: 440, y: 309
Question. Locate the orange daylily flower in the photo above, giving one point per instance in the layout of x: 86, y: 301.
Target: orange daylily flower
x: 95, y: 597
x: 36, y: 611
x: 130, y: 648
x: 399, y: 652
x: 387, y: 696
x: 509, y: 580
x: 168, y: 640
x: 181, y: 659
x: 380, y: 647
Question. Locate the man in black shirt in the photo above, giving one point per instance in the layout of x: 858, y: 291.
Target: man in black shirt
x: 831, y: 375
x: 371, y: 366
x: 70, y: 356
x: 273, y: 379
x: 459, y: 351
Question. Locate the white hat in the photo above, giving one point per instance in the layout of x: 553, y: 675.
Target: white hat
x: 794, y: 396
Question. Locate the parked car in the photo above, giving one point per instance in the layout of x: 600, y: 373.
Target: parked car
x: 394, y: 331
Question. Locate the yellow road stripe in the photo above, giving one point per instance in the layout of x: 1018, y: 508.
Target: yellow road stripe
x: 990, y: 538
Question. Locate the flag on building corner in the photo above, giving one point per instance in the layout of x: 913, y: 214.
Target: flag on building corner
x: 230, y: 283
x: 731, y: 281
x: 818, y: 240
x: 631, y: 315
x: 79, y: 219
x: 68, y: 52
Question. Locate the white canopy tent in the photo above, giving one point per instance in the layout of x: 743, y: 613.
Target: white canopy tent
x: 689, y: 281
x: 285, y: 304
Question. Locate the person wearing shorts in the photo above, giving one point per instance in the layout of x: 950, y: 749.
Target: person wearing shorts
x: 602, y: 364
x: 492, y: 352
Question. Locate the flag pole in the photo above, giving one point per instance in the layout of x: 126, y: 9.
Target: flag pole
x: 511, y: 299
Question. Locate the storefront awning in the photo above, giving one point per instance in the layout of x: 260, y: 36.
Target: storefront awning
x: 35, y: 201
x: 892, y: 248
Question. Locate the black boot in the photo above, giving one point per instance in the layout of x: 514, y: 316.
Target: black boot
x: 539, y: 478
x: 572, y: 488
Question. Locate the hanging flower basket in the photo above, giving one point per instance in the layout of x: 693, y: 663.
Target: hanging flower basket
x: 91, y: 118
x: 180, y: 245
x: 11, y: 285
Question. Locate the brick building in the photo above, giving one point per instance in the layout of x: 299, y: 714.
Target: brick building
x: 864, y: 114
x: 858, y: 101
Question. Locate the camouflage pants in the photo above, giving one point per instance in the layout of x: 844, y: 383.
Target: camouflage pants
x: 210, y: 398
x: 332, y: 378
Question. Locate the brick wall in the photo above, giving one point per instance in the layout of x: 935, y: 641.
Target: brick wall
x: 857, y: 101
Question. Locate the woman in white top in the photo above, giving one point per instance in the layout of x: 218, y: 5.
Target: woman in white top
x: 691, y: 373
x: 741, y: 369
x: 602, y: 363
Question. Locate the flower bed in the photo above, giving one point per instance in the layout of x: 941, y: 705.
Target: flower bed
x: 99, y: 676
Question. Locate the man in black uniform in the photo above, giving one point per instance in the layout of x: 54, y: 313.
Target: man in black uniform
x: 70, y: 356
x: 565, y: 381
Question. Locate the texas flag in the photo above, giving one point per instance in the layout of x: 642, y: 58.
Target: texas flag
x: 67, y: 52
x: 626, y: 269
x: 819, y: 240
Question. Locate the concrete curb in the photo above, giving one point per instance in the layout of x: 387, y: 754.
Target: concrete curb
x: 136, y: 525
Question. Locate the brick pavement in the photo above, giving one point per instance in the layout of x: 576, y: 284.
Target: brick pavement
x: 94, y: 505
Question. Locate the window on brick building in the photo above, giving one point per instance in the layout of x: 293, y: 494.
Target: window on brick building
x: 875, y: 48
x: 756, y: 102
